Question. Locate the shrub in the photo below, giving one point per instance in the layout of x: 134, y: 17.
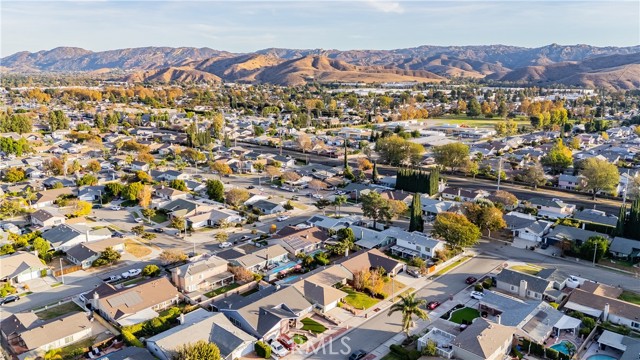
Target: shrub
x: 430, y: 349
x: 487, y: 283
x: 100, y: 262
x: 479, y: 287
x: 151, y: 270
x: 554, y: 305
x: 262, y: 350
x: 552, y: 354
x: 131, y: 340
x: 257, y: 277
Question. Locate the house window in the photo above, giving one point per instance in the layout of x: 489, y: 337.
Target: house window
x: 513, y: 288
x: 68, y: 339
x: 635, y: 325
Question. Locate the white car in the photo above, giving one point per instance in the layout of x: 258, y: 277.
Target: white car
x: 317, y: 196
x: 278, y: 349
x: 131, y: 273
x: 283, y: 218
x: 224, y: 245
x: 138, y: 220
x: 477, y: 295
x: 116, y: 207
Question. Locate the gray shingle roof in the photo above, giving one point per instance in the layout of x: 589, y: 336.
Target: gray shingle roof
x: 624, y: 245
x: 534, y: 283
x: 596, y: 217
x: 572, y: 233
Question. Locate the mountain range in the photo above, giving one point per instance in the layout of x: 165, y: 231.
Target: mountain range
x: 574, y: 65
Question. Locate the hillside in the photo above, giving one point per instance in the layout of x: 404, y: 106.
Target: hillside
x: 577, y: 65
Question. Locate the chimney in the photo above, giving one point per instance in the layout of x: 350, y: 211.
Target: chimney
x: 522, y: 290
x: 181, y: 319
x: 87, y: 235
x: 94, y: 301
x: 499, y: 319
x: 605, y: 313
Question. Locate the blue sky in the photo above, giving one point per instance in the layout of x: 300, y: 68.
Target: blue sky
x: 245, y: 26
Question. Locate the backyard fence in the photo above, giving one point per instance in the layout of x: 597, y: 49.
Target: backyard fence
x: 67, y: 270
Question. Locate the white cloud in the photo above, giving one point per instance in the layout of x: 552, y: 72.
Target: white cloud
x: 386, y: 6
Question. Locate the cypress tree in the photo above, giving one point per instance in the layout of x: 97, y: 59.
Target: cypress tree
x: 621, y: 220
x: 346, y: 163
x: 375, y: 177
x: 415, y: 222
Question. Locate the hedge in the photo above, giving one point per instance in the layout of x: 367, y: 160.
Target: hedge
x: 262, y: 350
x: 405, y: 354
x: 131, y: 340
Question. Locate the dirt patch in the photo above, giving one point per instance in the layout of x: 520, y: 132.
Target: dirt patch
x: 136, y: 249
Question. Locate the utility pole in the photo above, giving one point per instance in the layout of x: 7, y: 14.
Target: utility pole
x: 595, y: 251
x: 61, y: 272
x: 499, y: 172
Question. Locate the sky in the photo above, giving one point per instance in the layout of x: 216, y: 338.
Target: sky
x: 246, y: 26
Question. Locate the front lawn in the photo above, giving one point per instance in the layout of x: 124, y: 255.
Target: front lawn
x: 136, y: 249
x: 465, y: 314
x: 59, y: 310
x: 357, y: 299
x: 313, y: 326
x: 631, y: 297
x: 299, y: 339
x: 159, y: 218
x: 221, y: 290
x: 527, y: 269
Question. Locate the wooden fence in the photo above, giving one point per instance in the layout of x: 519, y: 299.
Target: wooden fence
x: 67, y: 270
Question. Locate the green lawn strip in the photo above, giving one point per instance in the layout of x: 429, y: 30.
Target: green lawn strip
x: 631, y: 297
x: 59, y: 310
x: 527, y: 269
x: 71, y: 351
x: 133, y: 281
x: 221, y: 290
x: 299, y: 339
x: 466, y: 313
x: 313, y: 326
x: 358, y: 300
x: 451, y: 266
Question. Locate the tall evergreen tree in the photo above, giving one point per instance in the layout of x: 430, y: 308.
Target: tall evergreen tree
x: 416, y: 223
x: 346, y: 163
x: 621, y: 221
x: 375, y: 177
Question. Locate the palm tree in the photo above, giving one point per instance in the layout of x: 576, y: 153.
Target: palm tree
x: 409, y: 306
x: 338, y: 201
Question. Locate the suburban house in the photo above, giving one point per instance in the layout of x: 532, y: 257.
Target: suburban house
x: 133, y: 305
x: 372, y: 259
x: 127, y: 353
x: 185, y: 208
x: 527, y: 227
x: 323, y: 296
x: 300, y: 241
x: 86, y: 253
x: 139, y: 166
x: 167, y: 193
x: 551, y: 208
x: 46, y: 218
x: 48, y: 197
x: 413, y: 244
x: 463, y: 195
x: 561, y: 233
x: 215, y: 218
x: 20, y: 267
x: 268, y: 207
x: 539, y: 287
x: 601, y: 301
x: 262, y: 259
x: 206, y: 273
x: 170, y: 175
x: 596, y: 217
x: 628, y: 346
x: 482, y: 340
x: 66, y: 236
x: 371, y: 239
x: 625, y: 249
x: 268, y: 313
x: 570, y: 182
x: 433, y: 207
x: 91, y: 193
x: 28, y: 337
x: 202, y: 325
x: 327, y: 223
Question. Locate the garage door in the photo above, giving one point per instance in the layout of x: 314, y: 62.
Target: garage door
x: 29, y: 275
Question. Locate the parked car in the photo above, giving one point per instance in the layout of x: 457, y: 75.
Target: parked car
x: 224, y: 245
x: 158, y: 230
x: 471, y: 280
x: 251, y: 187
x: 9, y: 299
x: 97, y: 206
x: 138, y: 220
x: 287, y: 343
x: 477, y: 295
x: 278, y: 349
x: 357, y: 355
x: 245, y: 237
x: 544, y: 246
x: 274, y: 186
x: 112, y: 278
x: 340, y: 192
x: 415, y: 273
x: 131, y: 273
x: 433, y: 304
x: 116, y: 207
x: 283, y: 218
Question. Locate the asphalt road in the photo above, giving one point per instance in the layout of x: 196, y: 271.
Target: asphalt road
x: 382, y: 327
x: 522, y: 193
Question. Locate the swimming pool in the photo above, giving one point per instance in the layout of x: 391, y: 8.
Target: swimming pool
x: 562, y: 347
x: 601, y: 357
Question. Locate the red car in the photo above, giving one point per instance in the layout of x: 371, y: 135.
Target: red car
x: 287, y: 343
x: 470, y: 280
x: 433, y: 304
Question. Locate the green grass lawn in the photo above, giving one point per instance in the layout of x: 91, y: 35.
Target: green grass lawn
x: 221, y: 290
x: 59, y: 310
x: 299, y: 339
x: 451, y: 266
x: 133, y: 281
x: 358, y: 299
x: 631, y: 297
x: 466, y: 313
x: 68, y: 352
x: 159, y: 218
x: 313, y: 326
x: 527, y: 269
